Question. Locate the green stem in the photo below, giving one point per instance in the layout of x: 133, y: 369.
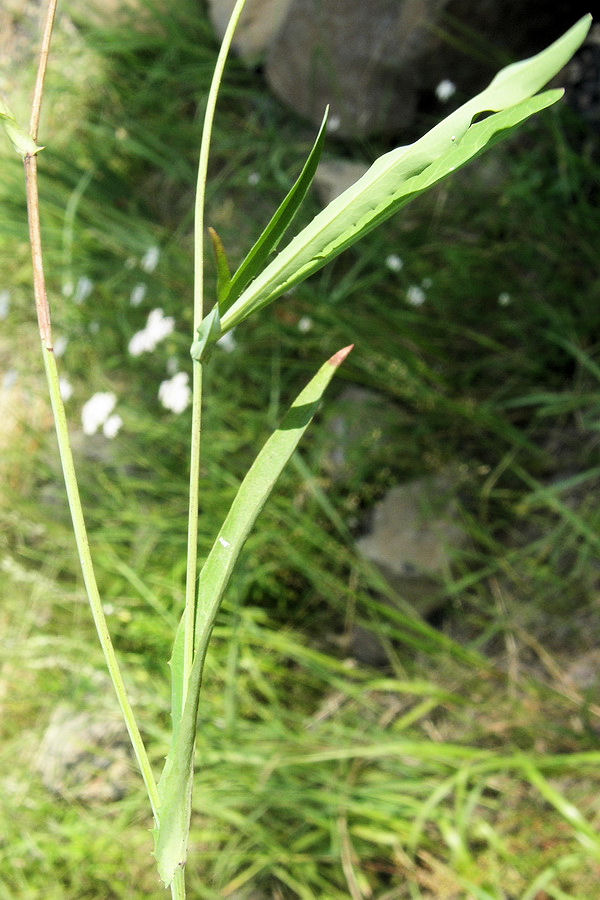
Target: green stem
x: 178, y: 885
x: 192, y: 547
x: 89, y: 578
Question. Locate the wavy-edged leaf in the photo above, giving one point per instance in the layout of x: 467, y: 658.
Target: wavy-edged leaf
x: 280, y: 222
x: 175, y: 786
x: 392, y: 179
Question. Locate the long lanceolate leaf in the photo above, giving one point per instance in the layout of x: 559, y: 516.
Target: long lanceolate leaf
x: 405, y: 172
x: 280, y: 222
x: 175, y: 786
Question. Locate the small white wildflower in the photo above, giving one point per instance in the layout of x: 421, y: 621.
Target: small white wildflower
x: 68, y: 288
x: 227, y: 342
x: 333, y: 123
x: 66, y: 388
x: 10, y: 378
x: 112, y: 426
x: 4, y: 303
x: 504, y: 298
x: 253, y: 178
x: 394, y: 262
x: 305, y: 324
x: 60, y: 345
x: 137, y: 295
x: 109, y: 609
x: 415, y: 295
x: 149, y: 260
x: 445, y: 90
x: 158, y: 326
x: 83, y: 290
x: 175, y: 394
x: 96, y: 411
x: 172, y: 365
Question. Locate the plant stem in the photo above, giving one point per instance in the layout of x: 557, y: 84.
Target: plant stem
x: 192, y: 547
x: 62, y: 432
x: 38, y: 91
x: 178, y: 885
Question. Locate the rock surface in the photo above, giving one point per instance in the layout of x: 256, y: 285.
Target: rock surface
x: 85, y: 755
x: 258, y: 25
x: 377, y: 63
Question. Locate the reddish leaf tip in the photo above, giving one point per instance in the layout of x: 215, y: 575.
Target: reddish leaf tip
x: 338, y: 358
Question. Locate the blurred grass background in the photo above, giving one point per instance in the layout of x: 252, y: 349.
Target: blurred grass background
x: 468, y: 766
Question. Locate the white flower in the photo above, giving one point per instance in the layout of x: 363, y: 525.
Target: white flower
x: 112, y: 425
x: 66, y: 388
x: 158, y: 326
x: 253, y: 178
x: 444, y: 90
x: 394, y: 262
x: 415, y: 295
x: 149, y: 260
x: 83, y: 290
x: 305, y: 324
x: 333, y: 123
x: 10, y: 378
x: 96, y: 411
x: 60, y: 345
x: 175, y: 394
x: 4, y: 303
x: 227, y: 342
x: 504, y: 298
x: 137, y: 295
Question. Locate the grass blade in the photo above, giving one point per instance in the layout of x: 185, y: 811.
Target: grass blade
x: 175, y: 786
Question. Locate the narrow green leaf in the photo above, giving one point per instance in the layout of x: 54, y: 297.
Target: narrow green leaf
x: 280, y: 222
x: 175, y: 786
x: 223, y: 271
x: 390, y: 181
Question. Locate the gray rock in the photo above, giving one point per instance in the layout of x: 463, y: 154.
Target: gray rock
x: 85, y: 755
x: 374, y: 62
x: 333, y: 176
x: 415, y: 529
x: 414, y: 532
x: 344, y: 54
x: 258, y: 25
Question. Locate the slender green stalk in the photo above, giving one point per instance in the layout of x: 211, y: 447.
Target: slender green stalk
x: 192, y: 546
x: 62, y: 432
x: 89, y: 578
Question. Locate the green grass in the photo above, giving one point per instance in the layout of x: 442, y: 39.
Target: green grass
x: 317, y: 777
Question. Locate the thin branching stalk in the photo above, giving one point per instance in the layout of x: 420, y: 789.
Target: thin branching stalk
x: 192, y: 548
x: 62, y: 432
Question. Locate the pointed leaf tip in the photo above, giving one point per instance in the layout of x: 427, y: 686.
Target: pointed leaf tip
x: 338, y: 358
